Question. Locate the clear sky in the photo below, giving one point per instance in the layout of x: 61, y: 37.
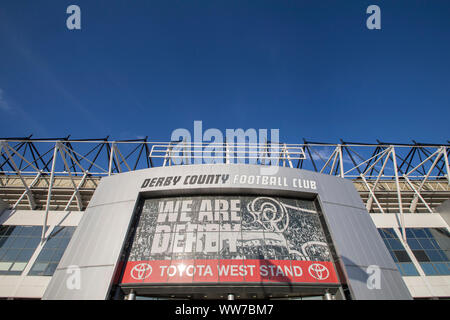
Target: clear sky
x: 144, y: 68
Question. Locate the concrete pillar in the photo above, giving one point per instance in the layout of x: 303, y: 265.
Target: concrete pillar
x: 131, y: 295
x: 327, y: 296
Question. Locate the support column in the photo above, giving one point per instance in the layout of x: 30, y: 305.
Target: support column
x: 327, y: 296
x: 49, y: 194
x: 131, y: 296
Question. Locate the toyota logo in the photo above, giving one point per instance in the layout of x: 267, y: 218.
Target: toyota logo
x: 141, y: 271
x: 318, y: 271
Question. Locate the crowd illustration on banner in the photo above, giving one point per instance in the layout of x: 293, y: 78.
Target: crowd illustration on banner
x: 229, y: 228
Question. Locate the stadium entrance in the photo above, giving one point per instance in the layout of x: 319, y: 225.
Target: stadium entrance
x: 248, y: 246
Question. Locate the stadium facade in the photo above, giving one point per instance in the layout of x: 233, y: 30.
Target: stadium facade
x: 99, y: 219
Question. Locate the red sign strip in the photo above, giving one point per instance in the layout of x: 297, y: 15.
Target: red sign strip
x: 222, y: 271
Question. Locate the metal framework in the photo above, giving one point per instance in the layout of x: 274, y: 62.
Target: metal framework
x: 62, y: 174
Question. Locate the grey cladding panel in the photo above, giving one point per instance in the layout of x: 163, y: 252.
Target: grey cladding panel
x: 94, y: 284
x: 100, y: 235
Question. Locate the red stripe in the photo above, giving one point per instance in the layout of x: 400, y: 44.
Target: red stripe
x: 221, y: 271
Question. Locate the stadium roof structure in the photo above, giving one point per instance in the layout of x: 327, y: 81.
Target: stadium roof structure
x: 63, y: 173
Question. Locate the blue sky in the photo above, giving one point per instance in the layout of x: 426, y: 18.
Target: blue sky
x: 144, y: 68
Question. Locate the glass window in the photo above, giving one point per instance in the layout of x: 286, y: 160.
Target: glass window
x: 442, y: 268
x: 421, y: 255
x: 419, y: 233
x: 402, y: 256
x: 17, y: 245
x: 431, y: 247
x: 393, y: 255
x: 426, y: 243
x: 409, y: 269
x: 388, y: 233
x: 398, y: 252
x: 3, y: 230
x: 396, y: 244
x: 443, y: 255
x: 434, y: 255
x: 18, y: 266
x: 38, y: 266
x: 409, y: 233
x: 51, y: 253
x: 428, y: 268
x: 33, y: 242
x: 4, y: 266
x: 413, y: 243
x: 25, y: 255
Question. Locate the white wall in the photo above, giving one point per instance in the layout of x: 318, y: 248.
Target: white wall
x: 24, y: 286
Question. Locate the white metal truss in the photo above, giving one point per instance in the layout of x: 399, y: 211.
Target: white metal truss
x: 199, y: 152
x: 62, y: 174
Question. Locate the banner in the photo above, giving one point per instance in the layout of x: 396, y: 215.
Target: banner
x: 214, y: 239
